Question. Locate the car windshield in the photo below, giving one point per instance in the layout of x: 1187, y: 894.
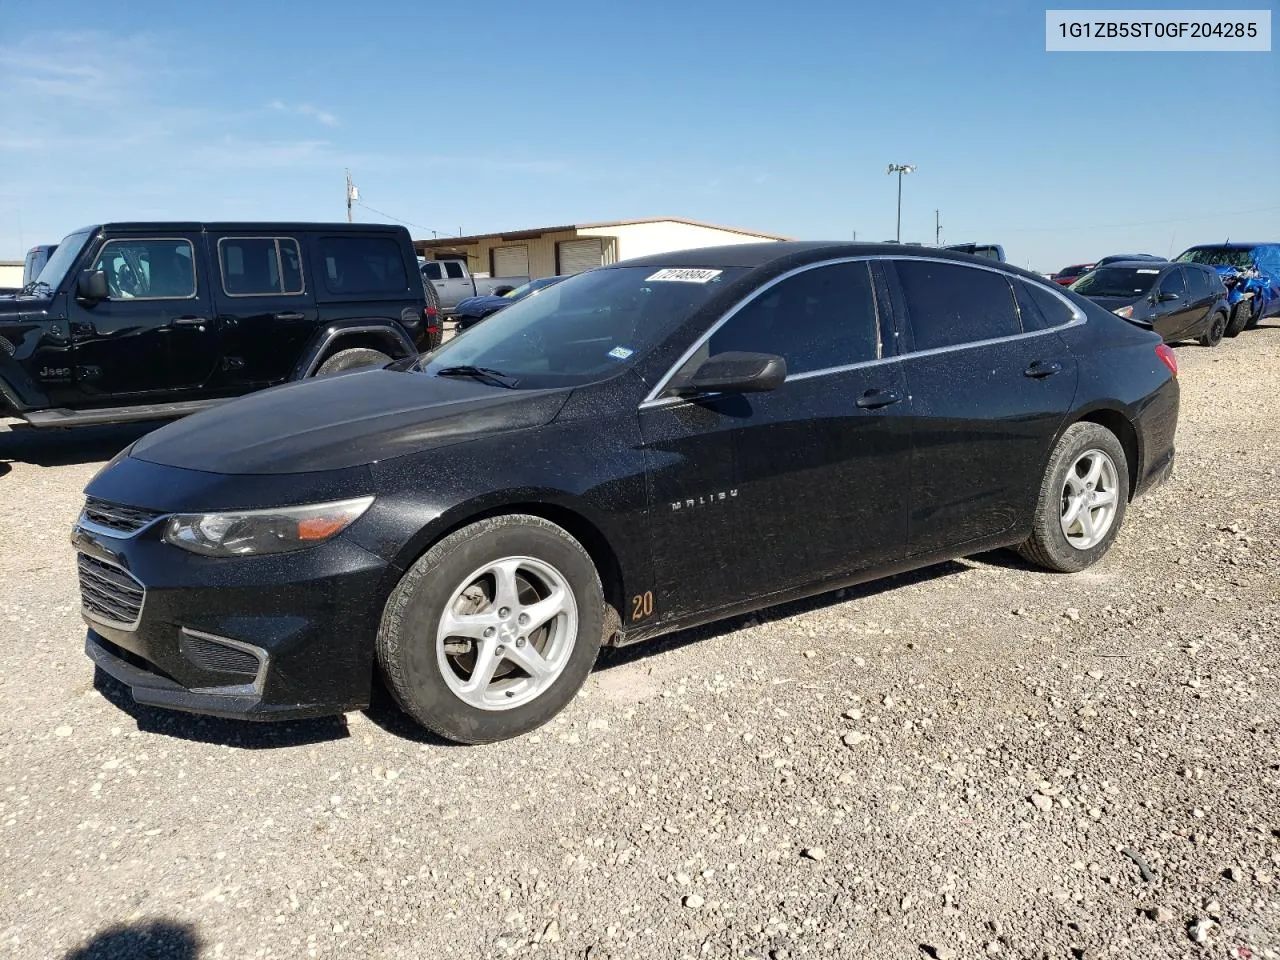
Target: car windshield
x: 55, y: 269
x: 1217, y: 257
x: 1131, y: 282
x: 582, y: 329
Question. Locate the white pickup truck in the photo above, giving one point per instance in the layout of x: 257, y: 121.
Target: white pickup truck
x: 454, y: 283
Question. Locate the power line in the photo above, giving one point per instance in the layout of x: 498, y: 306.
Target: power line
x: 1145, y: 223
x: 407, y: 223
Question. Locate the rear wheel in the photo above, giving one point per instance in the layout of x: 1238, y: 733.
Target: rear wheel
x: 353, y: 359
x: 493, y: 631
x: 1082, y: 500
x: 1217, y: 327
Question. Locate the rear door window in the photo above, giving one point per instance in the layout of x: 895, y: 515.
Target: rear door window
x: 820, y: 318
x: 950, y: 305
x: 363, y: 266
x: 260, y: 266
x: 453, y: 270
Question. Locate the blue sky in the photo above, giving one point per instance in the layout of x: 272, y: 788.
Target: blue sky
x: 490, y: 116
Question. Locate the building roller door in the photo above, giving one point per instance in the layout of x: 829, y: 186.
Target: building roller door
x: 576, y: 256
x: 511, y: 261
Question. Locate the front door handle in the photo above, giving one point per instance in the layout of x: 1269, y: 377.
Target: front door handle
x: 290, y: 316
x: 875, y: 399
x: 1042, y: 368
x: 189, y: 321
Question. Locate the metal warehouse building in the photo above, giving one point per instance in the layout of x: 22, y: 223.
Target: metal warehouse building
x: 550, y: 251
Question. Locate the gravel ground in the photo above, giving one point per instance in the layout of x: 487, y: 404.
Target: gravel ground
x: 974, y: 760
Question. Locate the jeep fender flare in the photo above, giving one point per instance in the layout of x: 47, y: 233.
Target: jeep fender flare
x: 387, y: 336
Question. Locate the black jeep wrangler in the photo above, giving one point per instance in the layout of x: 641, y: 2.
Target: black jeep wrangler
x: 134, y: 321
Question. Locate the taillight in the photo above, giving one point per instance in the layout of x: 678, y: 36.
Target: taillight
x: 430, y: 312
x: 1168, y: 358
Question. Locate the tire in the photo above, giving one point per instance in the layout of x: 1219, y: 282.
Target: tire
x: 430, y: 670
x: 1255, y: 316
x: 1049, y: 545
x: 1217, y: 327
x: 352, y: 359
x: 1239, y: 318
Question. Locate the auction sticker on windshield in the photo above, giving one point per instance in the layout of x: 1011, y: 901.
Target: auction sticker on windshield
x: 620, y: 353
x: 684, y: 275
x: 1148, y: 271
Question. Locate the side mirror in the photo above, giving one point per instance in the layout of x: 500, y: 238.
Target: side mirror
x: 1166, y: 297
x: 92, y: 285
x: 737, y: 372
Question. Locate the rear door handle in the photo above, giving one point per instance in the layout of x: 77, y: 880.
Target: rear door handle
x: 289, y: 316
x: 1042, y: 368
x: 875, y: 399
x: 189, y: 321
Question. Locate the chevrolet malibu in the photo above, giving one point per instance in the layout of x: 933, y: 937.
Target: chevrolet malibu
x: 641, y: 448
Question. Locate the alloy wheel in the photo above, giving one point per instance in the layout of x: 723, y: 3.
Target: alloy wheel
x: 1090, y: 496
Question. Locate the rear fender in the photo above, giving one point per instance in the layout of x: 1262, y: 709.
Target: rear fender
x: 376, y: 332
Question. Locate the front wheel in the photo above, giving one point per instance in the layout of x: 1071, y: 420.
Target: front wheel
x: 1213, y: 334
x: 494, y: 630
x: 1082, y: 500
x: 1239, y: 319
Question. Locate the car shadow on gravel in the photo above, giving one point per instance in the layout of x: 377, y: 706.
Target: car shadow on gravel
x: 64, y: 447
x: 155, y: 940
x: 242, y: 734
x: 611, y: 657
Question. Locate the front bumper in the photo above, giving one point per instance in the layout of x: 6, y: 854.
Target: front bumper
x: 259, y: 638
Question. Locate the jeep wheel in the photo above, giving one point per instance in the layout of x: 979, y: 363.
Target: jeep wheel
x: 493, y: 631
x: 351, y: 359
x: 1217, y: 326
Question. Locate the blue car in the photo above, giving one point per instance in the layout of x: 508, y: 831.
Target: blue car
x: 472, y: 310
x: 1251, y: 273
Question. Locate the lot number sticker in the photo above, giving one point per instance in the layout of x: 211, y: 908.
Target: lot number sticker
x: 684, y: 275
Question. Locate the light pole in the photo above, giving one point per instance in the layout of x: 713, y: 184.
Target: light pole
x: 900, y: 169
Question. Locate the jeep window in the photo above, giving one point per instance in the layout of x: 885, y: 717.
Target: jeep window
x: 949, y: 304
x: 817, y: 319
x: 144, y: 269
x: 260, y: 266
x: 363, y: 265
x: 1129, y: 282
x: 56, y: 267
x: 1217, y: 257
x: 453, y: 270
x: 583, y: 329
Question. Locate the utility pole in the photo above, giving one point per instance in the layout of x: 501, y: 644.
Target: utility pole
x: 353, y: 195
x: 937, y: 229
x: 900, y: 169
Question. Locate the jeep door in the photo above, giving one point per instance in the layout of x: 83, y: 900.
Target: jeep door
x: 152, y: 335
x: 266, y: 310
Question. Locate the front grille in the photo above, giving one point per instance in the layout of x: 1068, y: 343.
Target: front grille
x: 109, y: 593
x: 208, y: 654
x: 114, y: 516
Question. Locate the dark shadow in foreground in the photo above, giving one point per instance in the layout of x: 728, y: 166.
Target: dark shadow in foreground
x: 54, y: 447
x: 611, y: 657
x: 242, y: 734
x: 156, y: 940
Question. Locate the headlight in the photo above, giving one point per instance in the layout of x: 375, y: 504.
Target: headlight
x: 252, y: 532
x: 1126, y: 312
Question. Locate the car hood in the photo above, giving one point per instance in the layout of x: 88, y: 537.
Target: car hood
x: 342, y: 421
x: 15, y: 306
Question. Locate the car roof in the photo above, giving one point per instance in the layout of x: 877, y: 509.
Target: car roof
x: 131, y: 226
x: 795, y: 253
x: 1144, y: 264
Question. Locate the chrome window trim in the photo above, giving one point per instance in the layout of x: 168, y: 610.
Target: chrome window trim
x: 222, y: 273
x: 237, y: 689
x: 106, y: 621
x: 195, y: 273
x: 655, y: 400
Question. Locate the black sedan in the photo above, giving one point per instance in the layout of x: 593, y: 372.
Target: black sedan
x: 1178, y: 301
x: 474, y: 309
x: 642, y: 448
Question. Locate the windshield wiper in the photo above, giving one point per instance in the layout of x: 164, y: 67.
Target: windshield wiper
x: 485, y: 374
x: 33, y: 286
